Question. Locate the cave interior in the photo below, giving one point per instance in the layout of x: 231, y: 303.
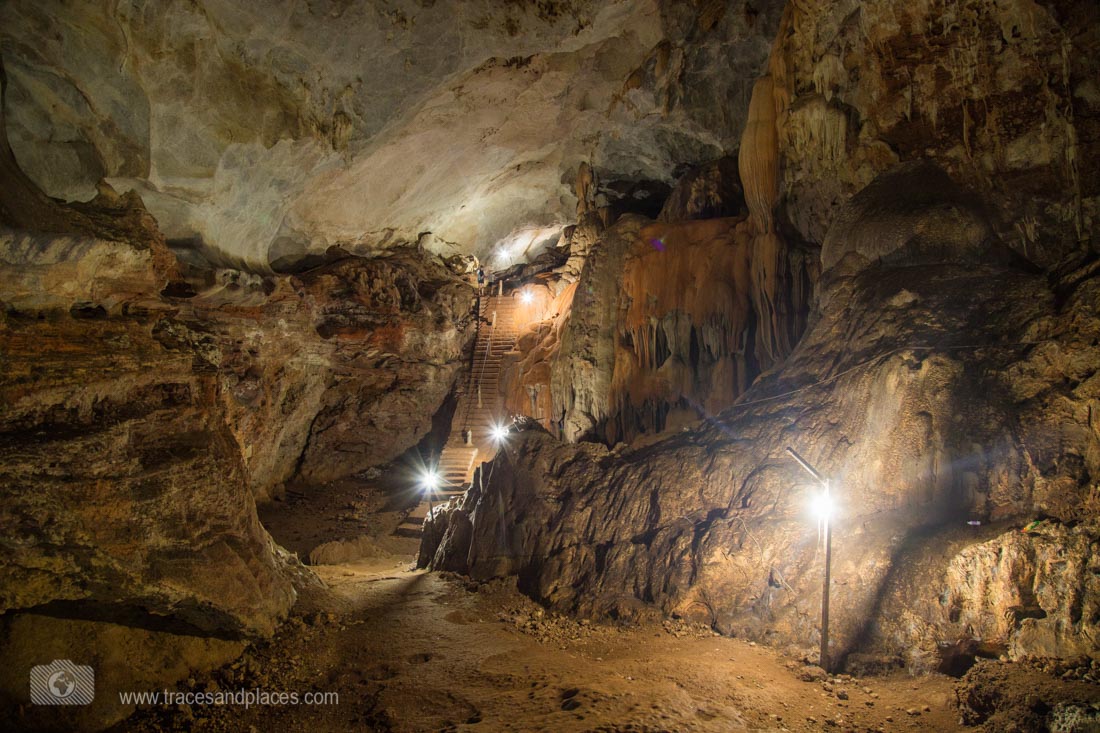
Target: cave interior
x: 594, y: 365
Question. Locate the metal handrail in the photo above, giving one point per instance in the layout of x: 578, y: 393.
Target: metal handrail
x: 473, y: 374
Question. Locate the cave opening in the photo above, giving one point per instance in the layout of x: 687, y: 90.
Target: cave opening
x: 439, y: 365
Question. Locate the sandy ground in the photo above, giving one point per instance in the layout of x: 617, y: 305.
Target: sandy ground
x: 408, y: 650
x: 344, y: 510
x: 415, y: 651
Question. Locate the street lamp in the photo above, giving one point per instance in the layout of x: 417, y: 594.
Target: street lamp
x: 823, y: 507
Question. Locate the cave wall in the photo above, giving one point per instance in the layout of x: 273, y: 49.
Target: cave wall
x: 946, y: 379
x: 669, y: 320
x: 145, y: 408
x: 160, y: 413
x: 148, y: 402
x: 1003, y: 96
x: 332, y: 371
x: 937, y: 386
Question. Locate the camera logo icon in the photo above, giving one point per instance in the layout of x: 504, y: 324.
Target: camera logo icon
x: 62, y: 683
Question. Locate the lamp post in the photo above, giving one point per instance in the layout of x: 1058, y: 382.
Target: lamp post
x: 823, y: 505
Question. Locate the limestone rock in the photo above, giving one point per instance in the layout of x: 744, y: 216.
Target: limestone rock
x: 668, y: 322
x: 711, y: 523
x: 581, y: 380
x: 114, y: 463
x: 997, y: 94
x: 710, y: 191
x: 911, y: 214
x: 137, y: 417
x: 266, y: 130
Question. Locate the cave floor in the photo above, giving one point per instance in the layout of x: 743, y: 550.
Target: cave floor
x: 415, y: 651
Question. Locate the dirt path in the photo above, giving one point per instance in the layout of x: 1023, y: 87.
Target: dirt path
x: 415, y: 651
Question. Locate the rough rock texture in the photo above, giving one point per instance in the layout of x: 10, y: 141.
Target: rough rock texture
x: 120, y: 482
x: 693, y: 328
x: 581, y: 378
x: 125, y: 659
x: 332, y: 371
x: 1038, y: 694
x: 932, y: 393
x: 1002, y: 95
x: 266, y: 130
x: 526, y: 371
x: 710, y: 191
x: 141, y: 400
x: 669, y: 322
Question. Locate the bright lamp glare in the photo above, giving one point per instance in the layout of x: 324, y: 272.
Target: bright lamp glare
x: 527, y: 296
x: 499, y: 433
x: 822, y: 505
x: 430, y: 480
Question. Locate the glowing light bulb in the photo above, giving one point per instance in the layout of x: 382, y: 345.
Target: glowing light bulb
x: 822, y: 505
x: 527, y: 297
x: 430, y: 480
x: 499, y: 433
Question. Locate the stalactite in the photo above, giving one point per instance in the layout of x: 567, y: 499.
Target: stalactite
x: 701, y: 312
x: 759, y: 156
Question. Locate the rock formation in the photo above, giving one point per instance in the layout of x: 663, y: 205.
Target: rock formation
x: 146, y: 404
x: 936, y: 386
x: 666, y: 321
x: 236, y: 252
x: 246, y: 128
x: 1001, y: 95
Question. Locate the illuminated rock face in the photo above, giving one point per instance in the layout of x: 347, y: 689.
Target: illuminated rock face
x: 267, y: 130
x: 146, y: 405
x: 668, y: 321
x: 828, y: 290
x: 135, y: 424
x: 947, y: 387
x: 122, y: 483
x: 932, y: 388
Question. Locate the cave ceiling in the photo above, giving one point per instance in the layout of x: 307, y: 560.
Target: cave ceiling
x: 261, y: 131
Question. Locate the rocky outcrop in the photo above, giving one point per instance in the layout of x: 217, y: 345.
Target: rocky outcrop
x: 581, y: 377
x: 332, y: 371
x: 709, y: 191
x: 669, y: 322
x: 145, y: 406
x: 123, y: 486
x: 934, y: 393
x: 1001, y: 95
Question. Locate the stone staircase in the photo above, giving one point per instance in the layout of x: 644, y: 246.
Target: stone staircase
x: 480, y: 407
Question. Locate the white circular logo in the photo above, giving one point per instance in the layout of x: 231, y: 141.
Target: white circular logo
x: 61, y: 684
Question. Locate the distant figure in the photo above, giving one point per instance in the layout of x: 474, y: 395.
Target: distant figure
x: 480, y: 280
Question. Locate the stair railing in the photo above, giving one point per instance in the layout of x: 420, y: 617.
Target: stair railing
x: 476, y: 375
